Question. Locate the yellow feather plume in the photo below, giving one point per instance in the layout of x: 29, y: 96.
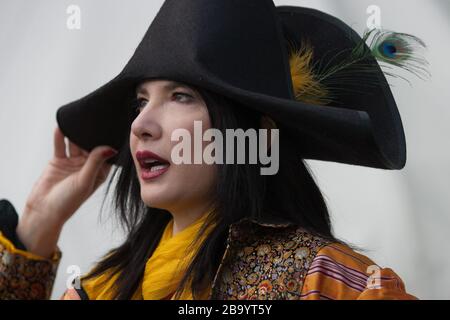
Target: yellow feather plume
x: 307, y: 88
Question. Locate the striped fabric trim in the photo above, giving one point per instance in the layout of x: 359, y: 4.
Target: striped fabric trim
x: 396, y: 281
x: 338, y: 277
x: 355, y: 275
x: 321, y: 296
x: 337, y: 271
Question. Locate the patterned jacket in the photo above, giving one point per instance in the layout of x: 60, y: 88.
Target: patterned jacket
x: 262, y: 261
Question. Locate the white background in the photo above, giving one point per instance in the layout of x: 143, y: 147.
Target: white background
x: 44, y: 65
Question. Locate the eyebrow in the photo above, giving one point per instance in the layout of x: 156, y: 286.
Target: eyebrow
x: 168, y: 86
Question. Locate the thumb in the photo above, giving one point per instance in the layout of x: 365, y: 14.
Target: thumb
x: 91, y: 169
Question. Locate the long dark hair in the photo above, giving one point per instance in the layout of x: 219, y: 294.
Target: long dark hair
x: 241, y: 191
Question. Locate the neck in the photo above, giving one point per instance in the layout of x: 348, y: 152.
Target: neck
x: 183, y: 218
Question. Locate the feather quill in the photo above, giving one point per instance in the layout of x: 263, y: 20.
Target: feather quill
x: 318, y: 83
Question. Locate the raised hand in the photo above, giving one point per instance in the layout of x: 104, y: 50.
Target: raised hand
x: 65, y: 184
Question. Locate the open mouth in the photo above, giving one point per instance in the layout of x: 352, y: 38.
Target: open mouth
x: 151, y: 164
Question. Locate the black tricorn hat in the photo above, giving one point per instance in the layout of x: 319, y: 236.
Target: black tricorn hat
x: 240, y: 49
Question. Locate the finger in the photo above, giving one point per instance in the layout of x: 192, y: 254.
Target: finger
x: 84, y: 152
x: 104, y: 172
x: 59, y: 144
x: 106, y: 169
x: 74, y: 150
x: 94, y: 163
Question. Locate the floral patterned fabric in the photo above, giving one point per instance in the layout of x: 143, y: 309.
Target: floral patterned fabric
x: 24, y: 275
x: 265, y: 262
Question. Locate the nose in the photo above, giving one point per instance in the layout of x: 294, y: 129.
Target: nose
x: 146, y: 125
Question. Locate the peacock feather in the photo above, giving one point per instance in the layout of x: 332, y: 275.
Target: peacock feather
x: 318, y: 82
x: 393, y: 49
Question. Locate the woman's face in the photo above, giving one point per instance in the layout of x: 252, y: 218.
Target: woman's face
x: 164, y: 106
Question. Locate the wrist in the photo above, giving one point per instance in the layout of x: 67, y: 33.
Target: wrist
x: 38, y: 235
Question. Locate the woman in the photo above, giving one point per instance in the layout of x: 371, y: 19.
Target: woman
x: 212, y: 231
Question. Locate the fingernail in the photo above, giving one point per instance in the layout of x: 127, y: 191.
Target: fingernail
x: 109, y: 153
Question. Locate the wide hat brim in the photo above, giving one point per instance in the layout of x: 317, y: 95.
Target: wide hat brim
x: 364, y: 128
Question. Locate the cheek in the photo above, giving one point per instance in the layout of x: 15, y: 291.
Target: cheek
x: 193, y: 179
x: 132, y: 141
x: 179, y: 118
x: 195, y: 122
x: 133, y: 145
x: 193, y: 183
x: 209, y: 174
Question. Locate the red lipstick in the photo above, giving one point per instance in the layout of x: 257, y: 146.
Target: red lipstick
x: 152, y: 165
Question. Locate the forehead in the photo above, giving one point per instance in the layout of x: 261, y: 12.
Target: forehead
x: 146, y: 85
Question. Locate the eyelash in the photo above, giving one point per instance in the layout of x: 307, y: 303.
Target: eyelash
x: 137, y: 102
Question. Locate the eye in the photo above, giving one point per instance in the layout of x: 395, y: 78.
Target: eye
x: 183, y: 97
x: 138, y: 104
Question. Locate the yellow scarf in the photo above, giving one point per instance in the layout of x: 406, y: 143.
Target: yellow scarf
x: 166, y: 266
x: 163, y: 270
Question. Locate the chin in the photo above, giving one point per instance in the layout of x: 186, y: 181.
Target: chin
x: 156, y: 199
